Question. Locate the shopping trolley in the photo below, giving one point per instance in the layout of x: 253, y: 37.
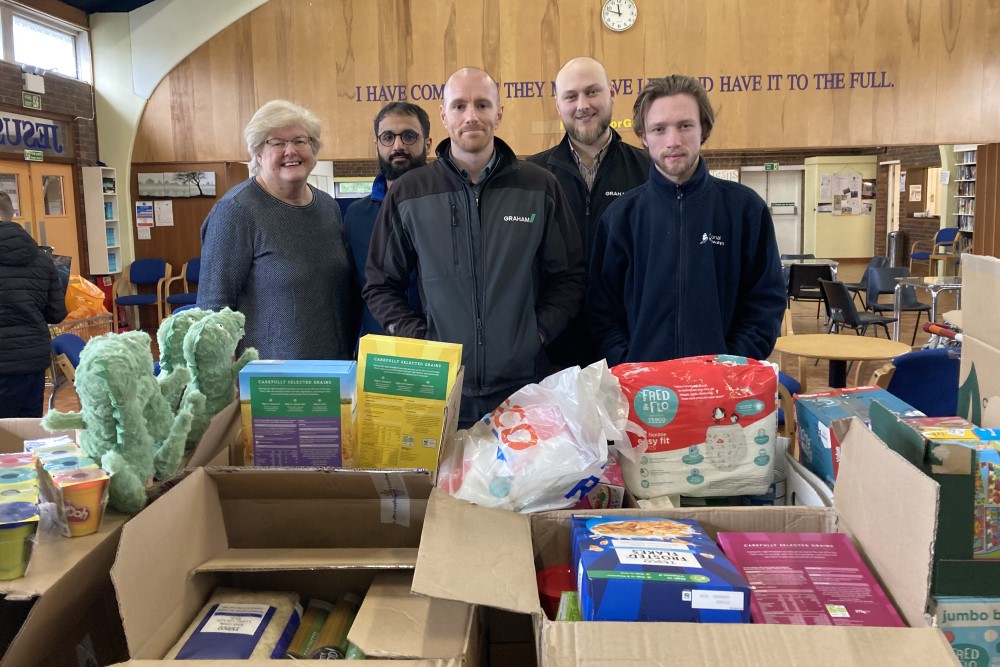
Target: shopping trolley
x: 61, y: 369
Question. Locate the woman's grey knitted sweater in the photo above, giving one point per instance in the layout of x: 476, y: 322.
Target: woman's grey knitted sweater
x: 286, y: 268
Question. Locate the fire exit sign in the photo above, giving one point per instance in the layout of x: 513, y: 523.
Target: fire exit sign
x: 770, y: 166
x: 30, y: 100
x: 33, y: 156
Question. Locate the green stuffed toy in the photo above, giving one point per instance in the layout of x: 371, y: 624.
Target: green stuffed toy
x: 209, y: 348
x: 170, y: 337
x: 125, y: 421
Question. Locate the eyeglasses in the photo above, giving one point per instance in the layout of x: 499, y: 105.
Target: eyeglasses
x: 388, y: 138
x: 299, y: 143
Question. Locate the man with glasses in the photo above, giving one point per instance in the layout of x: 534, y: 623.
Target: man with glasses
x: 402, y: 140
x: 594, y: 167
x: 493, y: 241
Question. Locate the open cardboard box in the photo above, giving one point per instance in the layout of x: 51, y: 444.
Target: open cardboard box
x: 953, y: 467
x: 979, y: 376
x: 319, y: 532
x: 66, y: 593
x: 888, y: 507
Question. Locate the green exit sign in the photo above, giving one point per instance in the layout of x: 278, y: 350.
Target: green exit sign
x: 31, y: 100
x: 770, y: 166
x: 33, y: 156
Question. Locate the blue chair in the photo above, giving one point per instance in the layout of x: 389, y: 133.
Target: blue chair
x: 189, y: 276
x: 926, y: 379
x: 66, y: 350
x: 142, y: 273
x: 944, y: 239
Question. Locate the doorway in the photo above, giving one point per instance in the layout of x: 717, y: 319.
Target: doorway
x: 44, y: 204
x: 781, y: 190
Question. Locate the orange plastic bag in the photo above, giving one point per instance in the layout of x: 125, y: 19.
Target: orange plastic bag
x: 83, y: 299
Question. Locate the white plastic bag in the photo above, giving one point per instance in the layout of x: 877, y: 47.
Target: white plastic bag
x: 543, y: 448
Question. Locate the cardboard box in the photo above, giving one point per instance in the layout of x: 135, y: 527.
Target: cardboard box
x: 66, y: 593
x: 818, y: 436
x: 803, y: 487
x: 972, y: 625
x: 403, y: 394
x: 979, y: 375
x: 297, y: 412
x: 954, y: 466
x: 885, y: 505
x: 317, y: 532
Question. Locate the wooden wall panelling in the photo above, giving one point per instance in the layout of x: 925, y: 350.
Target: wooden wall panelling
x: 181, y: 242
x: 941, y: 84
x: 986, y: 237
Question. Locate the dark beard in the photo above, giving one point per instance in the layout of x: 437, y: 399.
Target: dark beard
x: 392, y: 173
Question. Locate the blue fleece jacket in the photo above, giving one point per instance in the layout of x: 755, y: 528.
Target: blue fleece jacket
x: 683, y: 270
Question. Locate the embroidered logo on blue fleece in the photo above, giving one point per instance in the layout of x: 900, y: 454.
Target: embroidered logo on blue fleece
x: 519, y: 218
x: 714, y: 239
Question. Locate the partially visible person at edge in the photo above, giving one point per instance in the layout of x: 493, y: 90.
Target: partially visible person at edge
x: 594, y: 167
x: 273, y: 247
x: 402, y: 141
x: 31, y: 298
x: 494, y: 244
x: 686, y: 264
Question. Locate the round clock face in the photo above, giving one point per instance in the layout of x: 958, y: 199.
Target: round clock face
x: 619, y: 15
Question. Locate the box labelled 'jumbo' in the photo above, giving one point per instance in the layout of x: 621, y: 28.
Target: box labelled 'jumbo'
x: 883, y: 503
x: 297, y: 412
x: 404, y: 386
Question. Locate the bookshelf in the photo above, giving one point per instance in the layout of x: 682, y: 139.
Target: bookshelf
x: 965, y: 195
x: 104, y: 238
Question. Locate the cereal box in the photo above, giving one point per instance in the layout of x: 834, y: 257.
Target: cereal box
x: 297, y: 412
x: 403, y: 387
x: 808, y: 579
x: 652, y: 569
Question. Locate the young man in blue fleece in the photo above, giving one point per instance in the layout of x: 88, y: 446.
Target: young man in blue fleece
x: 686, y: 264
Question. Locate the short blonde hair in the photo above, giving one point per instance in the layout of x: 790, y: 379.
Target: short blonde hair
x: 276, y: 114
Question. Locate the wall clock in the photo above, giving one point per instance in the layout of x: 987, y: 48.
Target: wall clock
x: 619, y: 15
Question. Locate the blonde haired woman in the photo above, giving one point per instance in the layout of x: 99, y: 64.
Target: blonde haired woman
x: 273, y: 247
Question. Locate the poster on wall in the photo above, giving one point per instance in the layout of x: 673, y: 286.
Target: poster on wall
x: 143, y: 219
x: 916, y: 192
x: 825, y: 188
x: 163, y: 212
x: 177, y: 184
x: 847, y: 194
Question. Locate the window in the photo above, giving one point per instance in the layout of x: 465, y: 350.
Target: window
x: 33, y: 39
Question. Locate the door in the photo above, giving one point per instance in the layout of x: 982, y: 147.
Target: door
x: 55, y: 209
x: 15, y: 180
x: 44, y: 203
x: 782, y: 191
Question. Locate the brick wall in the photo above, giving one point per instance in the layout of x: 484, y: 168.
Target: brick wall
x: 913, y: 230
x: 64, y: 97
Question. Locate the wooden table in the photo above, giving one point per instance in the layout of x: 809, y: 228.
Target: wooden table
x: 838, y: 349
